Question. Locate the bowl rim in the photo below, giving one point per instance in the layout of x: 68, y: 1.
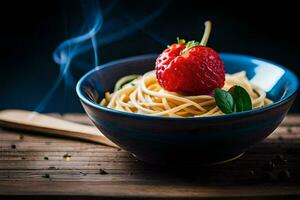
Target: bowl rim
x: 143, y: 116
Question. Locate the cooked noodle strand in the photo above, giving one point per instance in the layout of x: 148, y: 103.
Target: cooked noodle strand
x: 143, y: 95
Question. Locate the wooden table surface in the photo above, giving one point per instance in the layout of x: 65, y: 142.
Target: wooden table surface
x: 32, y: 164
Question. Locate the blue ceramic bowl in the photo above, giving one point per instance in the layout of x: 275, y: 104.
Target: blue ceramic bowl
x: 163, y: 140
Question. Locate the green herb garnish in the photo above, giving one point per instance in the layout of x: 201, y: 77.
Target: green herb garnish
x: 241, y: 98
x: 235, y: 100
x: 224, y: 101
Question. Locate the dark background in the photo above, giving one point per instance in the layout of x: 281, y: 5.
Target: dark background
x: 31, y: 30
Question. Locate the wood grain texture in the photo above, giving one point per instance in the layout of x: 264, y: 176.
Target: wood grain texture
x: 33, y: 164
x: 33, y: 121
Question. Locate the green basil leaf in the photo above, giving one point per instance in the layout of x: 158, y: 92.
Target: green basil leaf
x: 241, y: 98
x: 224, y: 101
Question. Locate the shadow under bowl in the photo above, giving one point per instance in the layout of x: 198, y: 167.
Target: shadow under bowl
x: 199, y: 140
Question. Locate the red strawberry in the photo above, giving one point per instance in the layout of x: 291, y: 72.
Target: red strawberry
x: 190, y: 68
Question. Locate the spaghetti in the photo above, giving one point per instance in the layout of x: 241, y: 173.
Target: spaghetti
x: 143, y: 95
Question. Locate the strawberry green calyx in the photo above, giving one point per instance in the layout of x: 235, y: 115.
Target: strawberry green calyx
x: 193, y: 43
x: 180, y: 41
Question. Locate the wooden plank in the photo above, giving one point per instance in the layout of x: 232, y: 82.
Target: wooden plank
x: 267, y: 146
x: 9, y: 135
x: 108, y: 157
x: 61, y: 154
x: 23, y: 146
x: 34, y: 164
x: 90, y: 158
x: 291, y: 120
x: 235, y: 174
x: 148, y: 191
x: 120, y: 177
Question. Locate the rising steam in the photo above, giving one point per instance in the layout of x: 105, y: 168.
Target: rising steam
x: 94, y: 32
